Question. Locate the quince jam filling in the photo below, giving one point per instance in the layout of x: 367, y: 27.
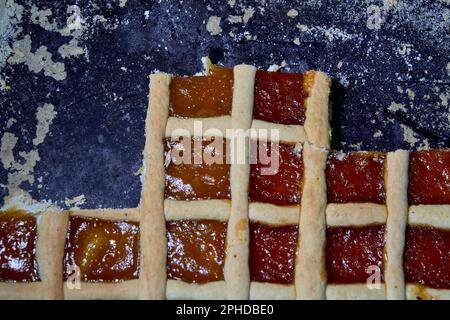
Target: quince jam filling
x: 18, y: 247
x: 280, y: 97
x: 429, y: 177
x: 426, y: 257
x: 276, y: 173
x: 355, y: 177
x: 272, y: 253
x: 202, y: 96
x: 197, y: 169
x: 196, y: 250
x: 103, y: 250
x: 350, y: 251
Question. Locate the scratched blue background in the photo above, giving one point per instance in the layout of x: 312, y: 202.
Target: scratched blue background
x: 96, y: 139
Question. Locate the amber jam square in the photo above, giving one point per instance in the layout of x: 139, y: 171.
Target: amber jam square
x: 350, y: 251
x: 18, y: 235
x: 102, y: 250
x: 202, y: 96
x: 426, y: 257
x: 429, y: 177
x: 186, y: 180
x: 355, y: 177
x: 284, y: 184
x: 280, y: 97
x: 272, y: 253
x: 196, y: 250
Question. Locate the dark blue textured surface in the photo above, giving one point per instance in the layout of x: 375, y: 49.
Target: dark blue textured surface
x: 95, y: 142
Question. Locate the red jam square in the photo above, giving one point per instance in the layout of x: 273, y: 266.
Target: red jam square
x: 355, y: 177
x: 280, y: 97
x: 283, y: 185
x: 272, y: 253
x: 350, y: 251
x: 429, y: 177
x: 426, y: 257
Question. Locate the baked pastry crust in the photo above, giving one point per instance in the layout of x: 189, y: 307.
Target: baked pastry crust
x: 358, y: 291
x: 199, y: 209
x: 355, y: 214
x: 397, y: 206
x: 310, y: 275
x: 237, y: 275
x: 264, y: 213
x: 153, y: 228
x: 312, y: 215
x: 271, y: 291
x: 179, y: 290
x: 317, y: 124
x: 184, y: 127
x: 393, y: 215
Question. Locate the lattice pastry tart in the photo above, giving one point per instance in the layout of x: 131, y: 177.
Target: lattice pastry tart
x: 276, y: 215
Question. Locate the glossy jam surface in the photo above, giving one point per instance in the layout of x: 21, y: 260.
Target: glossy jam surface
x: 351, y: 250
x: 280, y: 97
x: 272, y: 253
x: 185, y: 180
x: 355, y: 177
x: 429, y: 177
x: 426, y: 257
x: 103, y: 250
x: 283, y: 185
x: 202, y: 96
x: 18, y: 232
x: 196, y: 250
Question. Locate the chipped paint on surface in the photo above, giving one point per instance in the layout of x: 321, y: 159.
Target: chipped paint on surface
x: 20, y: 164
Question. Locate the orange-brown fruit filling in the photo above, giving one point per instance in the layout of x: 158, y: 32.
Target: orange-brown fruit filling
x: 196, y: 250
x: 202, y: 96
x: 103, y: 250
x: 186, y: 180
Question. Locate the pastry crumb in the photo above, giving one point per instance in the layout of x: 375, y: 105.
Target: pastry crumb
x: 297, y: 41
x: 292, y: 13
x: 213, y: 25
x: 301, y: 27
